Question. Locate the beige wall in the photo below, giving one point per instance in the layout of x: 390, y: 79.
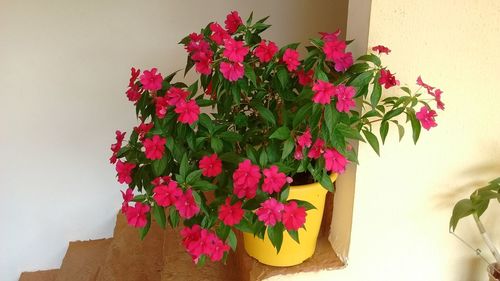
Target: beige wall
x: 64, y: 66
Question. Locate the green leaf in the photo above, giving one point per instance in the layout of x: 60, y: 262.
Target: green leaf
x: 371, y: 58
x: 263, y: 158
x: 250, y: 74
x: 282, y: 133
x: 184, y: 166
x: 294, y: 234
x: 288, y: 147
x: 231, y: 157
x: 393, y: 113
x: 205, y: 121
x: 384, y: 130
x: 304, y: 204
x: 284, y: 194
x: 193, y: 89
x: 230, y: 136
x: 283, y: 76
x: 401, y: 131
x: 348, y: 132
x: 266, y: 114
x: 193, y: 177
x: 415, y: 125
x: 372, y: 140
x: 144, y: 230
x: 216, y: 144
x: 173, y: 217
x: 275, y: 234
x: 462, y: 209
x: 362, y: 79
x: 376, y: 93
x: 326, y: 182
x: 160, y: 165
x: 301, y: 114
x: 231, y: 240
x: 159, y: 215
x: 203, y: 185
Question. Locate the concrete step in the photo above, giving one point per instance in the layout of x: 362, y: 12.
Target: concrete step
x: 83, y: 260
x: 129, y: 258
x: 42, y: 275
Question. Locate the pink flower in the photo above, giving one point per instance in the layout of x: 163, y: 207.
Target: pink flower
x: 291, y: 59
x: 116, y: 146
x: 387, y: 79
x: 186, y: 205
x: 136, y: 216
x: 273, y: 180
x: 161, y: 105
x: 161, y: 180
x: 294, y: 216
x: 218, y: 247
x: 190, y: 234
x: 334, y: 161
x: 381, y: 49
x: 124, y: 171
x: 299, y: 152
x: 437, y: 95
x: 204, y: 66
x: 270, y: 212
x: 328, y: 37
x: 426, y: 117
x: 345, y: 99
x: 323, y: 92
x: 231, y: 214
x: 233, y: 21
x: 211, y: 166
x: 154, y: 147
x: 133, y: 93
x: 166, y: 195
x: 343, y: 62
x: 134, y: 74
x: 218, y: 33
x: 143, y: 129
x: 265, y: 52
x: 424, y: 85
x: 175, y: 95
x: 232, y: 71
x: 316, y: 149
x: 127, y: 197
x: 305, y: 140
x: 305, y: 78
x: 246, y: 179
x: 188, y: 111
x: 150, y: 80
x: 196, y: 36
x: 234, y: 50
x: 334, y: 49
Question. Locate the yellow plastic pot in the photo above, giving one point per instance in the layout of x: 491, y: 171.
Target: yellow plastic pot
x: 292, y: 253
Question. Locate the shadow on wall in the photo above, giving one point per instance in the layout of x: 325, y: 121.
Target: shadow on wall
x: 478, y: 176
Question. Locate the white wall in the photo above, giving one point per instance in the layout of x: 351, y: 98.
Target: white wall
x: 64, y: 67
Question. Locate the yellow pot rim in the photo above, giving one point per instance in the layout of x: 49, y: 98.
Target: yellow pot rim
x: 333, y: 177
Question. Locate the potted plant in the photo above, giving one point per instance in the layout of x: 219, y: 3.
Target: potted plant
x: 475, y: 206
x: 262, y: 156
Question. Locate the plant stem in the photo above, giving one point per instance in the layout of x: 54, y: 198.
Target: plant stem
x: 486, y: 238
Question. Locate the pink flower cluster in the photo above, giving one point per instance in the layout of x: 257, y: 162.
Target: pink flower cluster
x: 231, y: 214
x: 124, y: 170
x: 137, y: 215
x: 134, y: 91
x: 188, y: 110
x: 290, y: 214
x: 265, y: 52
x: 381, y: 49
x: 246, y: 180
x: 200, y: 241
x: 168, y: 193
x: 143, y: 129
x: 210, y: 165
x: 200, y: 52
x: 151, y: 80
x: 116, y: 146
x: 154, y: 147
x: 387, y: 79
x: 291, y: 59
x: 426, y: 115
x: 335, y: 51
x: 334, y: 161
x: 325, y: 91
